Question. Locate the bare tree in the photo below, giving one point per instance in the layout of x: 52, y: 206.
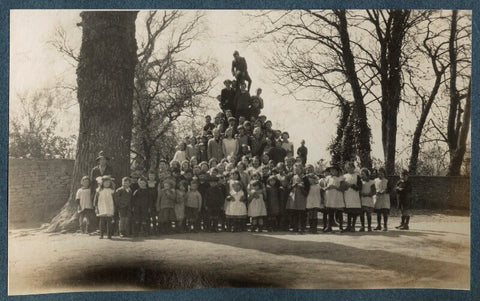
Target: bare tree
x: 314, y: 51
x: 167, y: 86
x: 431, y: 46
x: 32, y: 129
x: 387, y: 30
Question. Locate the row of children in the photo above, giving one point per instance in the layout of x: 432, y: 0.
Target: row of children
x: 280, y: 197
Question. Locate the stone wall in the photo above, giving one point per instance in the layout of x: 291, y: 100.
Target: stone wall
x: 429, y: 192
x: 37, y: 189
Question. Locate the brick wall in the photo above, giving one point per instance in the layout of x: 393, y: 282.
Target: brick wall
x: 37, y: 189
x: 429, y: 192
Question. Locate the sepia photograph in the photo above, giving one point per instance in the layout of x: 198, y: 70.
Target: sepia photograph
x: 287, y: 149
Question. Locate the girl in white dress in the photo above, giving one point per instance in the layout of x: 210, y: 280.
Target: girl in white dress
x: 236, y: 210
x: 353, y: 206
x: 366, y: 196
x: 104, y: 205
x: 382, y: 199
x: 314, y: 202
x: 256, y: 205
x: 334, y: 196
x: 229, y: 144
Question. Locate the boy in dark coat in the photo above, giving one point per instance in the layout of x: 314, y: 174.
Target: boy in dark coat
x: 404, y: 190
x: 141, y: 201
x: 123, y: 203
x: 214, y: 200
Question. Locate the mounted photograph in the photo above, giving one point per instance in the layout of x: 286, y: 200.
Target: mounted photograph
x: 190, y: 149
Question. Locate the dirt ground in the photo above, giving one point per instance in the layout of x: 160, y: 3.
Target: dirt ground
x: 435, y: 253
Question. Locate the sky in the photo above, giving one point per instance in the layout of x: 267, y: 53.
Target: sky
x: 35, y: 64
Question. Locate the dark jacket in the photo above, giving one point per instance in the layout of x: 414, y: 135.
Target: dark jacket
x: 273, y: 200
x: 242, y: 101
x: 239, y: 65
x: 227, y: 98
x: 123, y: 201
x: 277, y: 154
x: 214, y: 200
x: 404, y: 190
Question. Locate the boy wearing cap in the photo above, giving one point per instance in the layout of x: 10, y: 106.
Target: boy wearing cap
x: 85, y: 204
x: 123, y: 204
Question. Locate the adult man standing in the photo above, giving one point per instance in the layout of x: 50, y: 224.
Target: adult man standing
x: 214, y: 147
x: 239, y: 70
x: 101, y: 169
x: 302, y: 152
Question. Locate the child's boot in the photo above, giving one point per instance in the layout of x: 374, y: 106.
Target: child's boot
x: 315, y: 224
x: 405, y: 226
x: 379, y: 221
x: 362, y: 221
x: 402, y: 223
x: 385, y: 222
x: 352, y: 225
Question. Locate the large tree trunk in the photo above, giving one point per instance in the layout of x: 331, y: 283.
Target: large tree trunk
x: 456, y: 160
x: 452, y: 134
x: 393, y: 86
x: 105, y: 78
x: 457, y: 129
x: 364, y: 133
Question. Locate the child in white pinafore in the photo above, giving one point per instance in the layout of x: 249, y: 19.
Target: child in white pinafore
x: 84, y: 204
x: 334, y: 196
x: 236, y: 211
x: 353, y: 205
x: 366, y: 196
x: 314, y: 202
x: 382, y: 200
x: 256, y: 205
x: 104, y: 205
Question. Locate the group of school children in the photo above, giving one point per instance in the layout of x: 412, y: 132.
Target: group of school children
x: 239, y: 175
x: 246, y: 196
